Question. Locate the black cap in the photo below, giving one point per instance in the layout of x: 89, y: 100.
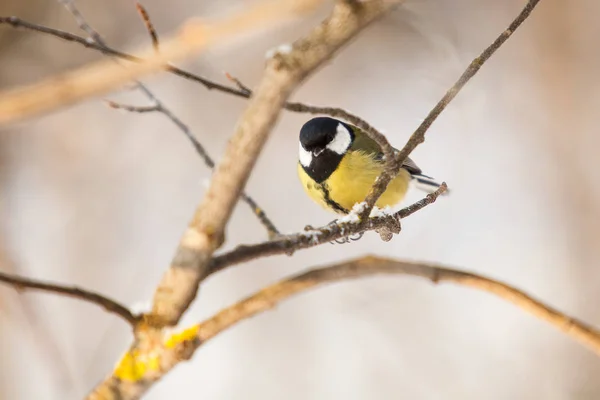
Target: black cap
x: 318, y: 132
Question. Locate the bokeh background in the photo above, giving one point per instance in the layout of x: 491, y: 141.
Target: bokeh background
x: 99, y: 198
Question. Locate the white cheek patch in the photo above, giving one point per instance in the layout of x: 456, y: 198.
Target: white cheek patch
x: 304, y: 156
x: 341, y: 141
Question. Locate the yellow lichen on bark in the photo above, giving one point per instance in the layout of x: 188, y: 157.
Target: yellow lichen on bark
x: 188, y: 334
x: 135, y: 365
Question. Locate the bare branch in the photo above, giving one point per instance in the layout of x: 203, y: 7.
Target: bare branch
x: 182, y: 345
x: 242, y: 91
x: 108, y: 304
x: 67, y: 36
x: 100, y: 77
x: 269, y: 297
x: 41, y: 337
x: 316, y: 236
x: 133, y: 109
x: 80, y: 20
x: 149, y: 25
x: 283, y: 73
x: 239, y: 84
x: 418, y: 137
x: 159, y: 106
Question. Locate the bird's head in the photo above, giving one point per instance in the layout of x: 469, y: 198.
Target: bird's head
x: 323, y: 137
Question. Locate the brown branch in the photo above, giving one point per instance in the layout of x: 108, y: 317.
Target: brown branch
x: 98, y: 78
x: 148, y: 24
x: 131, y: 108
x: 239, y: 84
x: 16, y: 22
x: 183, y: 345
x: 241, y: 91
x: 269, y: 297
x: 284, y: 71
x: 159, y: 106
x: 418, y: 137
x: 289, y: 243
x: 52, y: 358
x: 108, y: 304
x: 80, y: 20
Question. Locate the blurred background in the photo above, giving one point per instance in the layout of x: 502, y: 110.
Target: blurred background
x: 98, y: 198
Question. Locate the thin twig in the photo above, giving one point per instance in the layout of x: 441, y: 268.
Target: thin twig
x: 418, y: 137
x: 81, y: 22
x: 242, y: 91
x: 182, y: 345
x: 100, y: 77
x: 239, y: 84
x: 316, y: 236
x: 178, y: 287
x: 108, y: 304
x: 159, y: 106
x: 149, y: 25
x: 283, y: 73
x: 269, y: 297
x: 42, y: 336
x: 131, y: 108
x: 258, y: 211
x: 393, y: 163
x: 16, y: 22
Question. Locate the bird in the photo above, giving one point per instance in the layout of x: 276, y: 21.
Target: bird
x: 338, y: 164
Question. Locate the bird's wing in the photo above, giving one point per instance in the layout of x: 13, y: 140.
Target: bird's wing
x: 363, y: 142
x: 411, y: 167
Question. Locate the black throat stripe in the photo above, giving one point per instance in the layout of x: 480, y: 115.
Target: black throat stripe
x: 322, y: 166
x: 326, y: 196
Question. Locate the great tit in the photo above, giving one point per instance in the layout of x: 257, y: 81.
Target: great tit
x: 338, y: 164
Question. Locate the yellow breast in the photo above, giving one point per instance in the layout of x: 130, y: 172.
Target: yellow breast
x: 351, y: 181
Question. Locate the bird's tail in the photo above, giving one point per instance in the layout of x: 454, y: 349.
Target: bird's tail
x: 426, y: 183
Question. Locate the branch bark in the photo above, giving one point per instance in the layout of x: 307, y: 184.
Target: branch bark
x: 418, y: 136
x: 110, y: 305
x: 182, y: 345
x: 269, y: 297
x: 316, y: 236
x: 283, y: 73
x: 101, y: 77
x: 289, y: 66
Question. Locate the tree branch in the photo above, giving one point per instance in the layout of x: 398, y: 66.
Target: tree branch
x: 392, y: 167
x: 159, y: 106
x: 182, y: 345
x: 284, y: 71
x: 316, y: 236
x: 108, y: 304
x: 101, y: 77
x: 270, y: 296
x: 148, y: 24
x: 16, y: 22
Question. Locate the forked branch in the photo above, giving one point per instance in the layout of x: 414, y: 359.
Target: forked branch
x: 101, y: 77
x: 418, y: 136
x: 270, y: 296
x: 283, y: 73
x: 181, y: 346
x: 108, y: 304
